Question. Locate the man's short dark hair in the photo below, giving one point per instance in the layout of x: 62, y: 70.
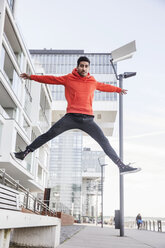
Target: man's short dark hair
x: 82, y: 58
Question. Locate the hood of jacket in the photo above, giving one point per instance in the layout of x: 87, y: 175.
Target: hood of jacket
x: 75, y: 73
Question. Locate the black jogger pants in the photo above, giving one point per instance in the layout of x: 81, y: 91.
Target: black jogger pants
x: 76, y: 121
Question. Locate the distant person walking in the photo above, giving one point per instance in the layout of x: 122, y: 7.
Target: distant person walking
x: 139, y: 221
x: 79, y: 92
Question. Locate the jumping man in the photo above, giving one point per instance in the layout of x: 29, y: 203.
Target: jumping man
x: 79, y: 92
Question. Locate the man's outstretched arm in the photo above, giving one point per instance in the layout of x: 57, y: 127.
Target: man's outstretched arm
x: 110, y: 88
x: 45, y: 79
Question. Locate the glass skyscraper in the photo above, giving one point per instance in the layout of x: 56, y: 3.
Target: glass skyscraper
x: 91, y: 180
x: 65, y: 171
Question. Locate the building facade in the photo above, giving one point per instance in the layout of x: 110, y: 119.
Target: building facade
x: 25, y: 107
x: 61, y: 62
x: 65, y: 172
x: 91, y: 184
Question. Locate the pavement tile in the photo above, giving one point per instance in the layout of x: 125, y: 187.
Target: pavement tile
x: 97, y: 237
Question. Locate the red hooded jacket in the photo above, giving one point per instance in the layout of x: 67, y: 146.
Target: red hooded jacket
x: 79, y: 91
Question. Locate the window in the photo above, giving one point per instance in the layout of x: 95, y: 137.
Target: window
x: 1, y: 126
x: 26, y: 127
x: 39, y: 173
x: 11, y: 4
x: 2, y: 58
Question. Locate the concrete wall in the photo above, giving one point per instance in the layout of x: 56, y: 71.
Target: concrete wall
x: 29, y: 230
x: 66, y: 219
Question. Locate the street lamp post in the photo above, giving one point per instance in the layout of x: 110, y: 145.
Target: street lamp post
x: 122, y: 53
x: 121, y: 157
x: 102, y: 192
x: 96, y: 212
x: 120, y: 77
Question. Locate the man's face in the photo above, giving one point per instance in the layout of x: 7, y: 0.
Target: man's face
x: 83, y: 68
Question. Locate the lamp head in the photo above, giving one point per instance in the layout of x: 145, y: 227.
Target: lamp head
x: 124, y: 52
x: 129, y: 74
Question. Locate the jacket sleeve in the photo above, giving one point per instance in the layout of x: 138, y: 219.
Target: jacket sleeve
x: 107, y: 87
x: 50, y: 79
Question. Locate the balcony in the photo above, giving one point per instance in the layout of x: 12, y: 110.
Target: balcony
x: 18, y: 170
x: 10, y: 74
x: 12, y: 41
x: 8, y: 106
x: 11, y: 135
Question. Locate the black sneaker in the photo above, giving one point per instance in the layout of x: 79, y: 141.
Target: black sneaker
x: 21, y: 155
x: 128, y: 169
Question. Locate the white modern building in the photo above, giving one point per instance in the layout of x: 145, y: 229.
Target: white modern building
x: 25, y: 106
x: 67, y: 178
x: 91, y: 183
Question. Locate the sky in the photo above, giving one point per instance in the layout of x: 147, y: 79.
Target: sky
x: 102, y: 26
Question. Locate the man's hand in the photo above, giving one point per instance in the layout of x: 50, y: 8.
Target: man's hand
x: 123, y: 92
x: 25, y: 76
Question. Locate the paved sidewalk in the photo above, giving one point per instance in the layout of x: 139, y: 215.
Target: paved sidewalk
x: 97, y: 237
x: 68, y: 231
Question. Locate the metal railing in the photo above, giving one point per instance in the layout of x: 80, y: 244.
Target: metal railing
x: 153, y: 225
x: 148, y: 225
x: 27, y: 200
